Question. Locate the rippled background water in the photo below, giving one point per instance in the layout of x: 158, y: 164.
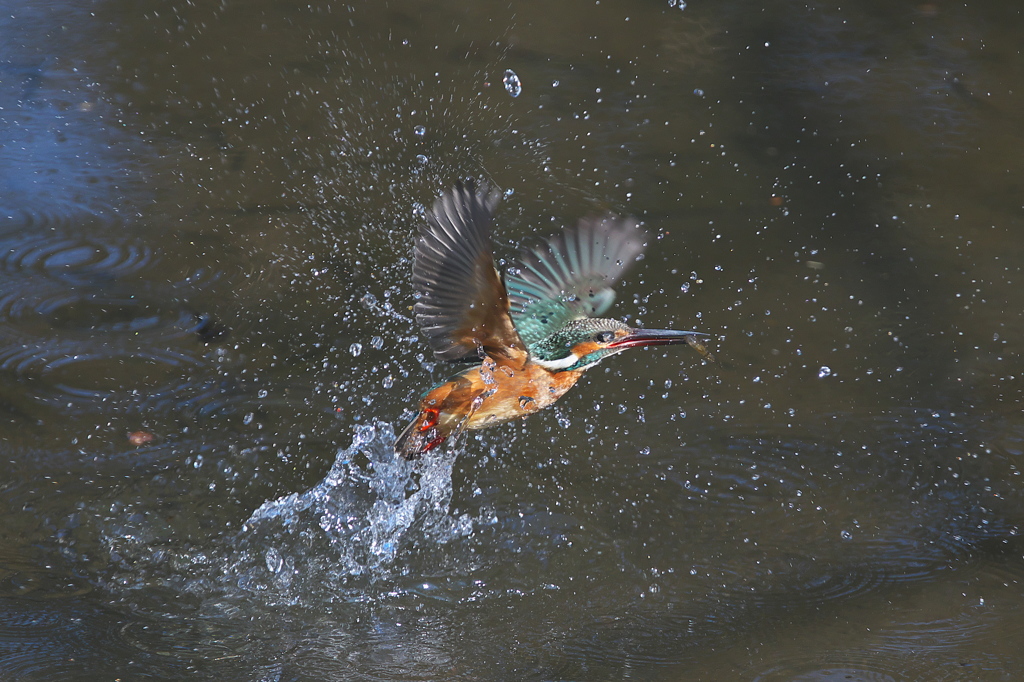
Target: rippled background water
x: 206, y: 219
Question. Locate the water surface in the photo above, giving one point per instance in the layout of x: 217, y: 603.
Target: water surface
x: 206, y: 343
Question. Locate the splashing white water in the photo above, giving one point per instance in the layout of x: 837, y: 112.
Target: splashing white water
x: 369, y: 508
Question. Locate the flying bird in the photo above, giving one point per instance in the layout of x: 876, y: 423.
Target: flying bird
x: 527, y: 338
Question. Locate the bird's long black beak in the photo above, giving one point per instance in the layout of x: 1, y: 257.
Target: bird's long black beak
x: 652, y: 337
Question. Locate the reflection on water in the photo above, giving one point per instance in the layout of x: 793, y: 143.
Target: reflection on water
x: 205, y: 230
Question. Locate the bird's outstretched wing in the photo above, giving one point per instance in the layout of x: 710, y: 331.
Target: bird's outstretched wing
x: 462, y: 307
x: 571, y: 276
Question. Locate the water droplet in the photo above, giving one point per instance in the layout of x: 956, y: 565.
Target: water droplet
x: 512, y: 83
x: 274, y: 560
x: 356, y: 349
x: 420, y: 131
x: 377, y: 342
x: 824, y: 372
x: 645, y: 450
x: 364, y: 434
x: 526, y: 402
x: 681, y: 4
x: 487, y: 371
x: 422, y: 158
x: 846, y: 535
x: 262, y: 393
x: 388, y: 381
x: 698, y: 92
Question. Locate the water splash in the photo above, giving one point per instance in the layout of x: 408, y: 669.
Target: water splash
x: 372, y: 511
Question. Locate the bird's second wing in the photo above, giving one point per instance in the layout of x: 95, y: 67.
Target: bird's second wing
x: 461, y: 306
x: 572, y: 275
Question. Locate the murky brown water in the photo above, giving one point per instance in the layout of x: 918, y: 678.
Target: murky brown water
x: 207, y: 218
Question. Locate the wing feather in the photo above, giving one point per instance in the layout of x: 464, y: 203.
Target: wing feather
x: 571, y: 276
x: 462, y: 306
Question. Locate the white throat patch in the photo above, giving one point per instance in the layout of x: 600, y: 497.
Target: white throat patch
x: 558, y: 365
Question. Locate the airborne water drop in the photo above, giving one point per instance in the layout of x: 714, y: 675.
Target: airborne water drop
x: 512, y: 83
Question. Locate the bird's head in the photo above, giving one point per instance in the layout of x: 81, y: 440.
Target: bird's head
x: 583, y: 343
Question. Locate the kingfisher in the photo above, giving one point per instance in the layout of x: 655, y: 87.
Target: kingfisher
x: 527, y: 338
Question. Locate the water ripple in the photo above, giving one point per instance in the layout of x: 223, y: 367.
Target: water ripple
x: 63, y: 342
x: 59, y: 642
x: 72, y: 259
x: 42, y: 309
x: 57, y: 371
x: 910, y: 657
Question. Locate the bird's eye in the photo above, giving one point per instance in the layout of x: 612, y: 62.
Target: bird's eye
x: 605, y: 337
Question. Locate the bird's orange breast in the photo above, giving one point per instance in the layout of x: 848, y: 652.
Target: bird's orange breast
x: 495, y: 392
